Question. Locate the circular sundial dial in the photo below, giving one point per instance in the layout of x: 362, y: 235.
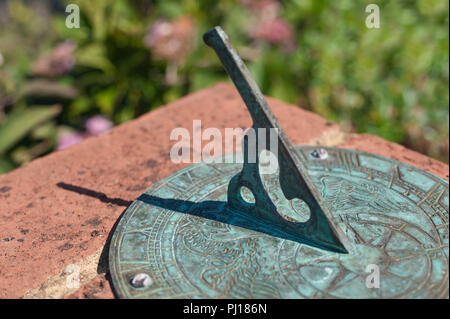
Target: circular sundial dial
x: 394, y: 216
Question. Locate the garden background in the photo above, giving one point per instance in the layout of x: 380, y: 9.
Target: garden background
x: 59, y: 86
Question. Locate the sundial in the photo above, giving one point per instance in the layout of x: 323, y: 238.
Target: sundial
x: 327, y: 223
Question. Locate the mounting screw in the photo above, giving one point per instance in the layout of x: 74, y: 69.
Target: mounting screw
x: 320, y: 153
x: 141, y: 280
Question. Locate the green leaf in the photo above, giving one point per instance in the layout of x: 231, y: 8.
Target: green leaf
x: 19, y: 122
x: 105, y: 100
x: 45, y: 131
x: 94, y: 55
x: 45, y: 88
x: 5, y: 165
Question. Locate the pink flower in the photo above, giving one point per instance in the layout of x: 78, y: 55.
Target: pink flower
x: 97, y: 125
x: 268, y: 25
x: 276, y: 31
x: 60, y: 60
x: 266, y: 9
x: 68, y: 139
x: 171, y: 39
x: 159, y: 30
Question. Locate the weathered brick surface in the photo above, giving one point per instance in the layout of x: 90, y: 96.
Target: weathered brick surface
x: 60, y: 209
x: 377, y: 145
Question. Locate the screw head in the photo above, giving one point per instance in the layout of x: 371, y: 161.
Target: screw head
x: 141, y: 280
x: 320, y: 153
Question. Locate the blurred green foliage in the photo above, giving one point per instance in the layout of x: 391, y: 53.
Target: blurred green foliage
x: 391, y: 82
